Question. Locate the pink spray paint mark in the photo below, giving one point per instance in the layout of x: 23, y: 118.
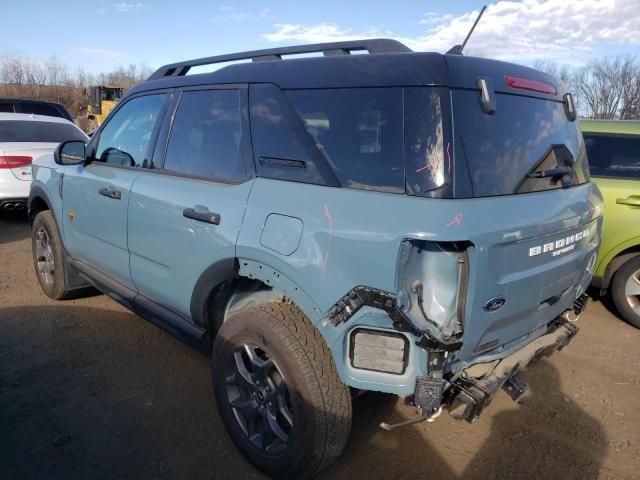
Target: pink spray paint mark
x: 326, y: 255
x: 457, y: 220
x: 423, y: 168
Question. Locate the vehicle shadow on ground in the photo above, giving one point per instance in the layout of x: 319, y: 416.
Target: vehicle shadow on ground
x: 102, y: 394
x: 14, y: 226
x: 606, y: 301
x: 549, y: 436
x: 96, y: 393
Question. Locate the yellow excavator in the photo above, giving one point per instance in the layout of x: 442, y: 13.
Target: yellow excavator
x: 102, y: 99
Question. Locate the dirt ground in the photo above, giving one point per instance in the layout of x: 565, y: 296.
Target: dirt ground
x: 90, y: 391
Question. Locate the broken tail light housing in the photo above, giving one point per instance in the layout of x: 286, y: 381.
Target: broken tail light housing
x: 433, y: 284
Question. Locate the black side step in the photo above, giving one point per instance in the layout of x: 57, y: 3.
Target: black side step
x: 162, y: 317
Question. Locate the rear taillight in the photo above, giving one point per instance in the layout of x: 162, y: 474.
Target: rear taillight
x: 14, y: 161
x: 531, y: 85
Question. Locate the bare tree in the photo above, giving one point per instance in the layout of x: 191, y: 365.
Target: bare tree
x: 555, y: 69
x: 605, y: 88
x: 610, y: 87
x: 51, y: 80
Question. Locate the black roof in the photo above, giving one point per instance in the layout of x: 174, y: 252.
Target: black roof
x: 29, y: 100
x: 22, y: 103
x: 388, y: 63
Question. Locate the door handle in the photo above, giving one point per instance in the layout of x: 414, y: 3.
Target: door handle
x: 208, y: 217
x: 110, y: 193
x: 632, y: 201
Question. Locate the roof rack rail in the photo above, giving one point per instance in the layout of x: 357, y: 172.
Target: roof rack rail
x: 375, y: 45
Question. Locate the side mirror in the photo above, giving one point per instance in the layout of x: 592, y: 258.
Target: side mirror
x: 70, y: 153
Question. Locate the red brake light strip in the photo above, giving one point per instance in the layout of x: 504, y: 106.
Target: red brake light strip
x: 531, y: 85
x: 14, y: 161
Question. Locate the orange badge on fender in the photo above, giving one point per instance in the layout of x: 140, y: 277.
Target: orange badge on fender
x: 71, y: 214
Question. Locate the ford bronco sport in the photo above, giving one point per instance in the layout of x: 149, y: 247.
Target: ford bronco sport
x: 412, y: 223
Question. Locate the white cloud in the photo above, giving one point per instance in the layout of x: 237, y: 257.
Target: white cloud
x: 431, y: 18
x: 232, y: 14
x: 561, y: 30
x: 323, y: 32
x: 97, y: 52
x: 127, y: 7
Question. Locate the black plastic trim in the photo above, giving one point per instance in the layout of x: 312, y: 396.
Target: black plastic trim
x: 105, y: 284
x: 360, y: 296
x: 212, y: 277
x: 151, y: 311
x: 377, y: 45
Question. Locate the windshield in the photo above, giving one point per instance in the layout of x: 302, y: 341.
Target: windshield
x: 44, y: 132
x: 526, y: 145
x: 111, y: 94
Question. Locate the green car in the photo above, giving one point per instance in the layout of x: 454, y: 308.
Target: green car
x: 613, y: 149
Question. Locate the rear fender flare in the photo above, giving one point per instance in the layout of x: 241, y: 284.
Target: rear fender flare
x: 215, y: 275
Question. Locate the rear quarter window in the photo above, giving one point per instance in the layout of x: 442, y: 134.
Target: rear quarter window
x: 360, y: 132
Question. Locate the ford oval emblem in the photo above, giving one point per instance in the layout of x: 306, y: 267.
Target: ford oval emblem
x: 494, y: 304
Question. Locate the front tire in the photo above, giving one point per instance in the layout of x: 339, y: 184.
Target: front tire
x: 46, y: 248
x: 625, y: 291
x: 278, y: 392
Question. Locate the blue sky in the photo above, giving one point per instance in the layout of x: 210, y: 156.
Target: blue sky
x: 101, y: 34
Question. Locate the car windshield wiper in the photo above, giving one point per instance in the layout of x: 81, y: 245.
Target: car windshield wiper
x: 551, y: 172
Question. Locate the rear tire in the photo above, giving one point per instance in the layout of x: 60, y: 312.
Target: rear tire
x: 625, y: 291
x: 46, y: 247
x: 302, y: 393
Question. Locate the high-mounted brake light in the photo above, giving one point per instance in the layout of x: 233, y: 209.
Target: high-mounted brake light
x: 531, y: 85
x: 14, y: 161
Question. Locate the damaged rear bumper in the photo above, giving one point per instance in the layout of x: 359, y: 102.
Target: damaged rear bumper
x: 472, y: 390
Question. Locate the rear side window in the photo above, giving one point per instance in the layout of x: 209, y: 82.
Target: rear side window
x: 283, y: 149
x: 41, y: 109
x: 360, y: 132
x: 33, y: 131
x: 207, y: 138
x: 611, y: 156
x: 507, y: 151
x: 6, y: 107
x: 126, y: 138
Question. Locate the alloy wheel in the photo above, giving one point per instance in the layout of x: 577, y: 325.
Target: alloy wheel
x: 260, y: 399
x: 44, y: 257
x: 632, y: 291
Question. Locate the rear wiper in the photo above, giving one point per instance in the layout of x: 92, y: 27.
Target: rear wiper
x: 551, y: 172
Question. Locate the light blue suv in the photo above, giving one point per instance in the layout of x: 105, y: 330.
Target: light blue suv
x: 412, y: 223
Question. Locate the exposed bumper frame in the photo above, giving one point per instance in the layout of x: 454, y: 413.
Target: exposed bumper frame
x: 471, y: 392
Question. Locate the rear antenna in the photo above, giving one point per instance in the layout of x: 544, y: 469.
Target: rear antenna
x: 457, y: 49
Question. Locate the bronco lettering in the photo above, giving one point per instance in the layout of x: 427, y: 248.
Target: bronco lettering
x: 560, y: 246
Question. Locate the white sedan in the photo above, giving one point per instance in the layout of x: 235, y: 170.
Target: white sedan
x: 23, y: 138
